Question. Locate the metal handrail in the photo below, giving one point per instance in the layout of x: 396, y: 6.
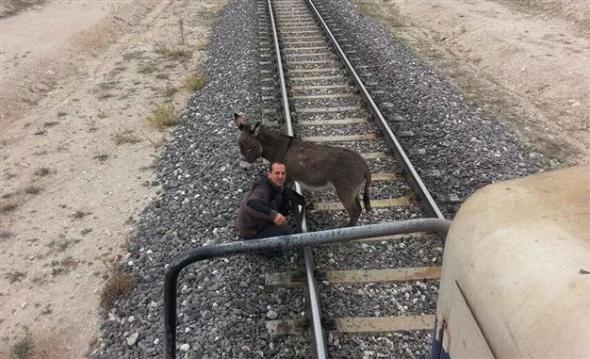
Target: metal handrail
x: 282, y: 243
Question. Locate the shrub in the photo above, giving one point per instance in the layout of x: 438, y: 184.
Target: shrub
x: 164, y: 115
x: 196, y: 82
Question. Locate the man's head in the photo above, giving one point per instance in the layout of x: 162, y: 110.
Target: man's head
x: 277, y: 173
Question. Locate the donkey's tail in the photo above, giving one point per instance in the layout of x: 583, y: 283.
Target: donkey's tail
x: 366, y: 199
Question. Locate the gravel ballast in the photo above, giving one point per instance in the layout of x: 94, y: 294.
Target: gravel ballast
x: 223, y: 303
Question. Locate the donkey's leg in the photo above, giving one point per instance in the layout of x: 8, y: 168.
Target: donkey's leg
x: 350, y: 200
x: 357, y: 200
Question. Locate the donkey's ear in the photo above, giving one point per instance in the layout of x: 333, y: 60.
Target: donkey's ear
x: 256, y: 128
x: 240, y: 121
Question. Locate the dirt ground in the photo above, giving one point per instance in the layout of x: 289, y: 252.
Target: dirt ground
x: 524, y: 60
x: 85, y: 87
x: 80, y: 78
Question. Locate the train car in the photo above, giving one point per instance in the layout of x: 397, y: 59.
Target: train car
x: 515, y: 281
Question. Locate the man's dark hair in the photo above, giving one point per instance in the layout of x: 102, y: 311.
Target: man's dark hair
x: 275, y: 163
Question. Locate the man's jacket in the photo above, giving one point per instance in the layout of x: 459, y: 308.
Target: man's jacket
x: 262, y: 204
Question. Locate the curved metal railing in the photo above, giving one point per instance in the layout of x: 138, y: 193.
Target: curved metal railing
x: 282, y: 243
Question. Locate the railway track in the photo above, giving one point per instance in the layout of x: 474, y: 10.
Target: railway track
x: 376, y: 294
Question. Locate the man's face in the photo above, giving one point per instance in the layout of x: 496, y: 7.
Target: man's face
x: 278, y: 174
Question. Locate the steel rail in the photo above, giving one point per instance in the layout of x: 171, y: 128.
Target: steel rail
x: 312, y: 293
x: 282, y: 243
x: 284, y: 94
x: 416, y: 181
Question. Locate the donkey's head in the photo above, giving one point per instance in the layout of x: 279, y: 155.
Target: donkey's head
x: 250, y: 146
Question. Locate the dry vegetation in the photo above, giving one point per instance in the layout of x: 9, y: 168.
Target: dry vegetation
x: 125, y: 137
x: 195, y: 82
x: 63, y: 266
x: 62, y: 245
x: 15, y: 276
x: 174, y: 53
x: 42, y: 171
x: 7, y: 206
x: 118, y: 285
x: 12, y: 7
x: 23, y: 349
x: 32, y: 346
x: 163, y: 115
x: 33, y: 189
x: 6, y: 235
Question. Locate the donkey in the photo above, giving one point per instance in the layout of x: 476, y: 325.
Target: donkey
x: 314, y: 166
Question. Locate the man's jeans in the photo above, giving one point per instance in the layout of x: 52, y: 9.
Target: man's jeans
x: 272, y: 230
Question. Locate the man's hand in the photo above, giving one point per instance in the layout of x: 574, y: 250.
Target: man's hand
x: 280, y: 220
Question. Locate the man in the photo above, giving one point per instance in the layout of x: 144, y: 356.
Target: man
x: 262, y: 212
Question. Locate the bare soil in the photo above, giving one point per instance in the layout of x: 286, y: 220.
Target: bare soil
x: 525, y: 61
x: 79, y: 81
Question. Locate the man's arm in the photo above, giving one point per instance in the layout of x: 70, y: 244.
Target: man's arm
x: 259, y: 206
x: 259, y: 201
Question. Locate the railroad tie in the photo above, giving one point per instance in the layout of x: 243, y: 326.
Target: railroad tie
x: 358, y: 325
x: 319, y: 97
x: 289, y: 43
x: 316, y: 62
x: 316, y: 110
x: 311, y: 71
x: 301, y: 88
x: 306, y: 48
x: 383, y: 324
x: 384, y: 176
x: 291, y: 279
x: 315, y: 54
x: 343, y: 138
x: 376, y: 156
x: 318, y: 78
x: 337, y: 122
x: 375, y: 203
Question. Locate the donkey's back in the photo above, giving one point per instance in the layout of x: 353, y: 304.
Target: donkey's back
x: 319, y: 167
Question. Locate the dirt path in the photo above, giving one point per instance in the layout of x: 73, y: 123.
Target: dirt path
x: 79, y: 80
x: 525, y: 61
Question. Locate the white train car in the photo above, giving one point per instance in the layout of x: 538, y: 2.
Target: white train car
x: 515, y: 281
